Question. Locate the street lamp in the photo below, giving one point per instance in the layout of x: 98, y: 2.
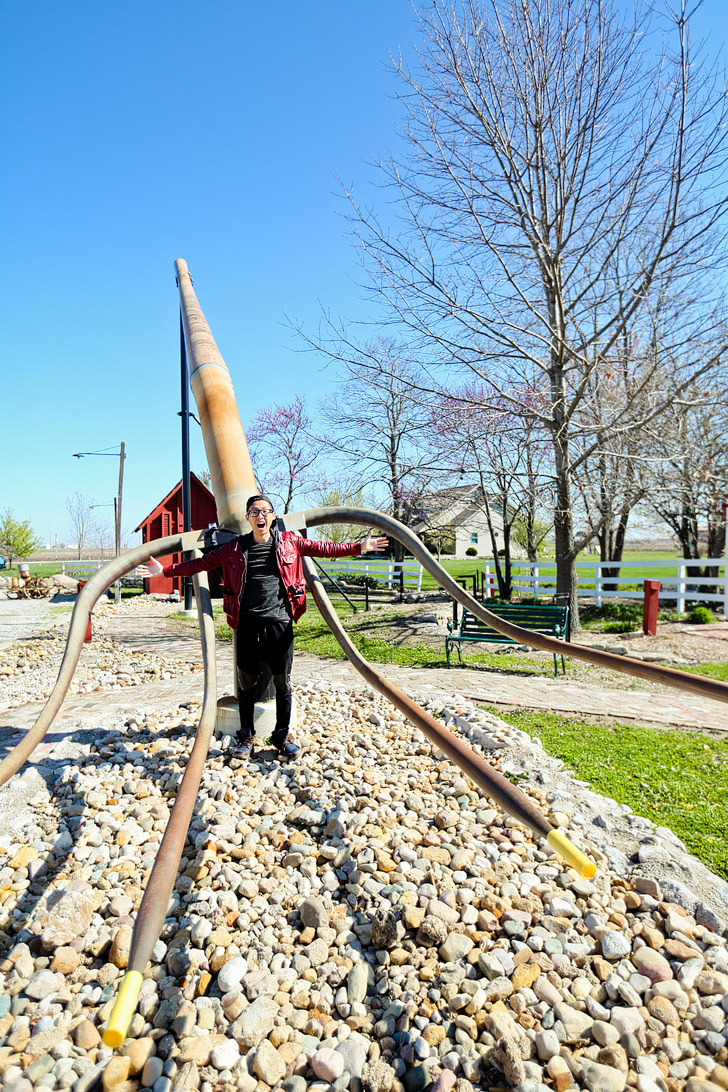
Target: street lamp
x: 185, y: 414
x: 117, y: 503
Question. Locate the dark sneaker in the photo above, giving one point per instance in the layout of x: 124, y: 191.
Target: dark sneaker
x: 242, y: 750
x: 286, y: 749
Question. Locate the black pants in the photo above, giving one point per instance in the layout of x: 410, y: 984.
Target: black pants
x: 261, y: 643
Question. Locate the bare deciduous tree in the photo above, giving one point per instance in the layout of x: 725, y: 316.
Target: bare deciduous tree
x: 282, y: 451
x: 336, y: 496
x: 565, y: 187
x: 690, y: 486
x: 377, y: 427
x: 506, y: 455
x: 82, y: 522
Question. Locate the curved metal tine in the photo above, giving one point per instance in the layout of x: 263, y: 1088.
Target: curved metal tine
x: 668, y: 676
x: 88, y: 596
x: 155, y: 902
x: 493, y: 783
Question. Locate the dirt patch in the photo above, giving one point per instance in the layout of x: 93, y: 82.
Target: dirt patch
x: 678, y: 642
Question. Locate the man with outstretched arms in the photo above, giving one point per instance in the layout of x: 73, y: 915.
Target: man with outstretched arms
x: 264, y: 593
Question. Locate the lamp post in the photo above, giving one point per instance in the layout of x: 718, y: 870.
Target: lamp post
x: 117, y: 503
x: 185, y: 416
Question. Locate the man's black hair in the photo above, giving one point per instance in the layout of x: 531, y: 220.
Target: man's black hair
x: 259, y: 497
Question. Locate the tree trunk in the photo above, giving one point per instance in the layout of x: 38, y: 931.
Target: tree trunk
x: 503, y: 575
x: 566, y: 573
x: 620, y: 536
x: 508, y: 577
x: 716, y: 545
x: 531, y: 546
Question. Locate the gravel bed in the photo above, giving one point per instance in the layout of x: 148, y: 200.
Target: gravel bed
x: 29, y: 668
x: 362, y: 919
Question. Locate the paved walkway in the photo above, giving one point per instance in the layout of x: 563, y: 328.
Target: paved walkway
x: 509, y: 691
x: 146, y: 631
x: 24, y: 618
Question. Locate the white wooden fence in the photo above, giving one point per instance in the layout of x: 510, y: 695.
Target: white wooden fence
x: 84, y: 570
x: 385, y: 571
x: 680, y: 581
x: 80, y: 570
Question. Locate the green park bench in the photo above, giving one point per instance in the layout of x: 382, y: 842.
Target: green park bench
x: 549, y: 620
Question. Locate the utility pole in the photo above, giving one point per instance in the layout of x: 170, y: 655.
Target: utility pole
x: 117, y: 513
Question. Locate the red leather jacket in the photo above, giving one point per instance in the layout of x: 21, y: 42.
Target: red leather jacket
x: 232, y: 558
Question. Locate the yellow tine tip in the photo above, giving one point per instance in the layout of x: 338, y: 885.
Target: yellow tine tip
x: 571, y: 854
x: 123, y: 1010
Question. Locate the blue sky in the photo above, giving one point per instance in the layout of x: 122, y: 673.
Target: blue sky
x: 137, y: 133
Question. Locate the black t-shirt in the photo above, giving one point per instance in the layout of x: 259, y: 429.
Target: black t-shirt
x: 263, y: 593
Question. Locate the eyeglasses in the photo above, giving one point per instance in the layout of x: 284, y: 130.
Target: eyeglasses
x: 260, y: 512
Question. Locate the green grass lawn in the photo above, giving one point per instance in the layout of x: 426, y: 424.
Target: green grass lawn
x: 709, y: 670
x: 37, y: 568
x: 676, y: 779
x: 314, y: 636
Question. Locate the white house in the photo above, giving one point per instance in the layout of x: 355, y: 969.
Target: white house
x: 458, y: 512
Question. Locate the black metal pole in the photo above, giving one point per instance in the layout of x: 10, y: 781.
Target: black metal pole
x: 185, y: 415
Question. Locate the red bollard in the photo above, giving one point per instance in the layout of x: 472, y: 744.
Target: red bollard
x: 87, y: 638
x: 652, y: 602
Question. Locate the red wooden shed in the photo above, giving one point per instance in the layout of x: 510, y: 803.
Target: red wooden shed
x: 166, y: 519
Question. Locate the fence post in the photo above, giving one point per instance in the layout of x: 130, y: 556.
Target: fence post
x: 401, y: 584
x: 650, y: 608
x: 534, y: 579
x: 486, y: 582
x: 680, y: 591
x: 598, y: 584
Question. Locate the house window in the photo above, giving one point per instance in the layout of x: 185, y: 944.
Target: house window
x: 474, y: 539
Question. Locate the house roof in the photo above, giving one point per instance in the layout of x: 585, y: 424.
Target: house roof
x: 195, y: 483
x: 449, y: 494
x: 467, y: 500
